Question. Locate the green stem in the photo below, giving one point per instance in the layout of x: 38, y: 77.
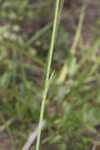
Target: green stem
x: 48, y: 70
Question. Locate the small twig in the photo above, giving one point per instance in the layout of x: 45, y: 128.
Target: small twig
x: 33, y: 136
x: 94, y: 147
x: 95, y: 144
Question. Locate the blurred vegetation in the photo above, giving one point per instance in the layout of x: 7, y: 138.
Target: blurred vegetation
x: 73, y: 102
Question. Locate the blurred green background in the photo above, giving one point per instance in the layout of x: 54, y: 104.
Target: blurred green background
x: 73, y: 104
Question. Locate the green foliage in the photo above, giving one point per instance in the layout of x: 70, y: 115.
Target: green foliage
x: 73, y: 99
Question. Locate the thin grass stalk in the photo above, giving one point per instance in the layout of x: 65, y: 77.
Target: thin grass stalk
x: 78, y: 31
x: 48, y: 70
x: 65, y: 67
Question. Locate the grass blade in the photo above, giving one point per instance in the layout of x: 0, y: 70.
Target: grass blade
x: 48, y: 70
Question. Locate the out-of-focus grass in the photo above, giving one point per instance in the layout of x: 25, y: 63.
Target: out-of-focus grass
x: 72, y: 106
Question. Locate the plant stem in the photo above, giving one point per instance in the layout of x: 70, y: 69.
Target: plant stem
x: 48, y: 70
